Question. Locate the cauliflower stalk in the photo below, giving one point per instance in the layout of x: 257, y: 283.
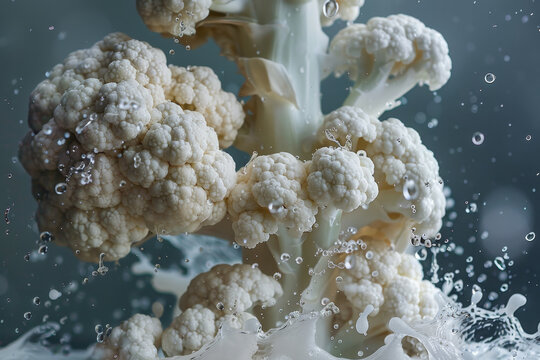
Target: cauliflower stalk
x: 123, y: 146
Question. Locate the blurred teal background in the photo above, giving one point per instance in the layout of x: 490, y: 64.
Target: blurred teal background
x: 501, y: 176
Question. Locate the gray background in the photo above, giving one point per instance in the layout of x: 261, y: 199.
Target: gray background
x: 501, y: 175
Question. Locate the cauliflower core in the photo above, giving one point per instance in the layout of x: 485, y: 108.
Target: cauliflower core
x: 123, y: 145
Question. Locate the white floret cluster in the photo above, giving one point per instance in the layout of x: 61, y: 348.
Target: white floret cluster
x: 123, y: 145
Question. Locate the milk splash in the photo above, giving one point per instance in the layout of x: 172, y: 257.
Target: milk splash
x: 456, y: 332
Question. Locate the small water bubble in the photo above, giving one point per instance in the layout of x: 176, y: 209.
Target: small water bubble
x: 43, y: 249
x: 478, y: 138
x: 277, y: 276
x: 60, y: 188
x: 369, y: 255
x: 530, y: 236
x: 528, y: 137
x: 499, y: 263
x: 298, y: 260
x: 489, y: 78
x: 220, y: 306
x: 100, y: 337
x: 275, y: 208
x: 410, y: 191
x: 46, y: 236
x: 325, y: 301
x: 330, y: 8
x: 27, y: 315
x: 98, y: 329
x: 339, y: 279
x: 36, y: 300
x: 82, y: 125
x: 285, y: 257
x: 27, y: 257
x: 171, y: 52
x: 504, y: 287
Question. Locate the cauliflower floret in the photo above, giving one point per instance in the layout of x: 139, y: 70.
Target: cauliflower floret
x: 173, y: 17
x: 271, y: 192
x: 341, y: 179
x: 198, y: 88
x: 113, y: 159
x: 347, y: 10
x: 189, y: 331
x: 410, y: 189
x: 138, y: 338
x: 387, y: 57
x: 231, y: 289
x: 223, y: 295
x: 389, y: 281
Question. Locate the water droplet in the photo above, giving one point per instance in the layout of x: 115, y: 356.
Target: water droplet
x: 499, y: 263
x: 530, y: 236
x: 98, y: 329
x: 46, y: 236
x: 27, y: 315
x: 330, y: 8
x: 285, y: 257
x: 100, y: 337
x: 277, y: 276
x: 478, y: 138
x: 43, y: 249
x: 489, y: 78
x: 275, y: 208
x: 60, y: 188
x: 325, y: 301
x: 528, y: 137
x: 339, y: 279
x: 220, y: 306
x: 504, y: 287
x: 410, y: 191
x: 369, y: 255
x: 299, y: 260
x: 82, y: 125
x: 171, y: 52
x: 36, y: 300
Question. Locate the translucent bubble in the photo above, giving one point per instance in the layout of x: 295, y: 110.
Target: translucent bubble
x: 220, y: 306
x: 43, y: 249
x: 277, y: 276
x: 60, y: 188
x: 528, y: 137
x: 299, y: 260
x: 27, y: 315
x: 285, y: 257
x: 489, y: 78
x: 410, y: 191
x: 530, y: 236
x: 330, y: 8
x: 46, y: 236
x: 499, y: 263
x: 275, y: 208
x: 36, y: 300
x: 478, y: 138
x: 421, y: 254
x: 136, y: 161
x: 369, y: 255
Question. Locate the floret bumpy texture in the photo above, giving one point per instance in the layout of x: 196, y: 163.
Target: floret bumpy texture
x: 122, y: 145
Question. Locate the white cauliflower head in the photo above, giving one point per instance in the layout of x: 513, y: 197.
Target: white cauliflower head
x: 112, y: 156
x: 173, y: 17
x: 388, y: 280
x: 197, y: 88
x: 223, y: 295
x: 341, y: 179
x: 137, y: 338
x: 271, y: 191
x: 407, y: 174
x: 387, y: 57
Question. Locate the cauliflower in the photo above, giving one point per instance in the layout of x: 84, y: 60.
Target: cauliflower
x: 271, y: 192
x: 223, y: 295
x: 137, y: 338
x: 332, y: 10
x: 387, y: 57
x: 174, y: 17
x: 389, y: 281
x: 197, y: 88
x: 341, y: 179
x: 114, y: 156
x: 410, y: 189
